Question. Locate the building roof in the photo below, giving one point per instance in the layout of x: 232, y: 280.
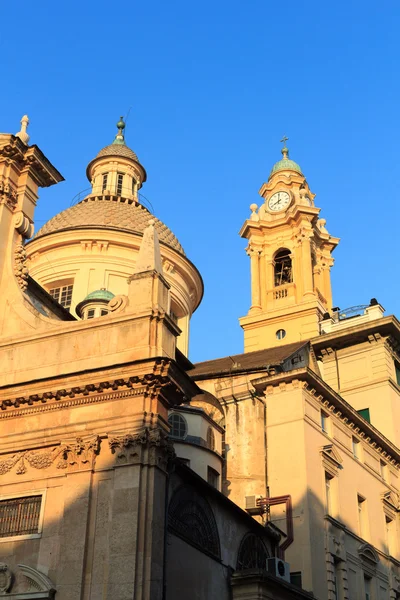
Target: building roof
x: 286, y: 164
x: 100, y: 213
x: 259, y: 359
x: 101, y: 294
x: 117, y: 150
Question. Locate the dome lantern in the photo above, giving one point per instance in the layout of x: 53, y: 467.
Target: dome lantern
x: 285, y: 164
x: 116, y: 170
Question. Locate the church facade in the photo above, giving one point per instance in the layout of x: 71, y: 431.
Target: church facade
x: 128, y: 472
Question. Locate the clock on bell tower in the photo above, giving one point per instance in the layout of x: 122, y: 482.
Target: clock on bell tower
x: 290, y: 255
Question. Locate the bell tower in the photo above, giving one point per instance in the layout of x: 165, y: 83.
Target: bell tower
x: 290, y: 256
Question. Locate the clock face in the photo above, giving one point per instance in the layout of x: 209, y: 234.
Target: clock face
x: 279, y: 201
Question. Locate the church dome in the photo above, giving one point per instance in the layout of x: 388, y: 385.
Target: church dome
x: 117, y: 150
x: 285, y: 164
x: 101, y: 294
x: 109, y: 214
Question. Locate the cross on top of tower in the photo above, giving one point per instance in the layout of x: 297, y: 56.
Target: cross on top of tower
x: 285, y: 150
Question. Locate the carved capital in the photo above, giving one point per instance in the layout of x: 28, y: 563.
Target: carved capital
x: 151, y: 446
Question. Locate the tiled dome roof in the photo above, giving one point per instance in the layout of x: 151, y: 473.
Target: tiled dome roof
x: 109, y: 214
x: 118, y: 150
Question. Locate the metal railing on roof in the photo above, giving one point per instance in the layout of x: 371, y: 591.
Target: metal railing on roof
x: 124, y: 193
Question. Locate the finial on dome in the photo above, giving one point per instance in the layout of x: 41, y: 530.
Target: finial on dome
x: 119, y: 138
x: 285, y: 149
x: 22, y: 134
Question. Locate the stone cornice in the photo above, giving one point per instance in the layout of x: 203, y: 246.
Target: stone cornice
x: 333, y: 403
x: 158, y: 377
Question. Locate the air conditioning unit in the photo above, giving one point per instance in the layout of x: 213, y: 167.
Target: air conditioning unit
x: 279, y: 568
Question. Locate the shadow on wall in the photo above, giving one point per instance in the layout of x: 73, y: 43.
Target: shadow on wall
x: 95, y: 537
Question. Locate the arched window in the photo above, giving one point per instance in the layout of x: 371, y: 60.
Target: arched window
x: 210, y: 439
x: 283, y: 267
x: 252, y: 553
x: 191, y: 517
x: 178, y: 426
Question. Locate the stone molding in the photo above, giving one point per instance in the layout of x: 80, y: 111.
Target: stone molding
x: 79, y: 452
x: 148, y: 384
x: 26, y: 583
x: 129, y: 447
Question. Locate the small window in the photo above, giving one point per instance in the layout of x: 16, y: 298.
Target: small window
x: 90, y: 313
x: 120, y: 181
x: 103, y: 312
x: 280, y: 334
x: 364, y: 412
x: 213, y: 477
x: 178, y: 426
x: 390, y: 535
x: 104, y: 185
x: 210, y: 439
x: 63, y: 295
x: 133, y: 186
x: 356, y: 448
x: 382, y: 467
x: 324, y: 421
x: 295, y: 579
x: 20, y: 516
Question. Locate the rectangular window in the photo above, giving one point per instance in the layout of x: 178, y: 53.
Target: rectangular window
x: 367, y: 587
x: 213, y: 477
x: 356, y: 448
x: 103, y: 312
x: 324, y: 422
x: 63, y: 295
x: 90, y: 313
x: 397, y: 369
x: 105, y: 178
x: 338, y: 581
x: 295, y: 579
x: 362, y: 516
x: 364, y: 412
x: 390, y: 525
x: 120, y: 181
x: 328, y: 493
x: 20, y: 516
x: 133, y: 186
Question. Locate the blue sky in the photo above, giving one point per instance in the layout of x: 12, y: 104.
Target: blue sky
x: 213, y: 86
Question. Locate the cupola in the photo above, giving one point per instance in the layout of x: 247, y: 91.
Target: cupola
x: 285, y: 164
x: 95, y: 304
x: 116, y: 171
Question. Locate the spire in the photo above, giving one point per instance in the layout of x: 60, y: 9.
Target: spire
x: 22, y: 134
x: 149, y: 257
x: 285, y: 149
x: 119, y: 138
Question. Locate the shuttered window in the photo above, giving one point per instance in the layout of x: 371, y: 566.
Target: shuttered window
x: 20, y: 516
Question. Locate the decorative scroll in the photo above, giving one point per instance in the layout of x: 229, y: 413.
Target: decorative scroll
x: 80, y: 452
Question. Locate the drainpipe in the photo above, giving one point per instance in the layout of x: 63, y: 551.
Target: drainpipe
x: 287, y: 500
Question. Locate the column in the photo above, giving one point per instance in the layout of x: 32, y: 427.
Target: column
x: 255, y: 278
x: 307, y: 265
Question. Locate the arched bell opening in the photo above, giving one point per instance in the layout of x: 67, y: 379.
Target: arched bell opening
x: 283, y: 270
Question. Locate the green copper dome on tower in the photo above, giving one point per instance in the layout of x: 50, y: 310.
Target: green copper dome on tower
x: 285, y: 164
x: 101, y: 294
